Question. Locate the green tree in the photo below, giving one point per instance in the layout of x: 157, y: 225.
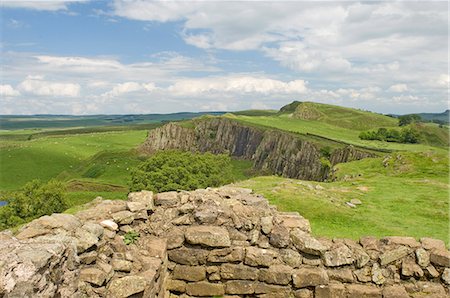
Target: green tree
x: 35, y: 199
x: 408, y: 119
x: 410, y: 135
x: 174, y: 170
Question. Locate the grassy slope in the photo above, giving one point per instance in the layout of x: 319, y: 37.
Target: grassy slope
x: 46, y: 157
x: 409, y: 197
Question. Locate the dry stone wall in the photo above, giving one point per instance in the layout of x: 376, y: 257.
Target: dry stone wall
x: 224, y: 242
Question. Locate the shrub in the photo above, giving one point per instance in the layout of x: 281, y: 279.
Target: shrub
x: 406, y: 135
x: 175, y: 170
x: 408, y: 119
x: 131, y: 237
x: 35, y: 199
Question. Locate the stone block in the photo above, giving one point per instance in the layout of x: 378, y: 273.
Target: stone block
x: 189, y: 273
x: 205, y: 289
x: 309, y: 277
x: 210, y: 236
x: 276, y: 274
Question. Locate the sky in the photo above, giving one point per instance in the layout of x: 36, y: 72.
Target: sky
x: 135, y: 56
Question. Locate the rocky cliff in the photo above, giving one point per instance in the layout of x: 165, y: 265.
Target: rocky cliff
x: 224, y: 242
x: 273, y: 151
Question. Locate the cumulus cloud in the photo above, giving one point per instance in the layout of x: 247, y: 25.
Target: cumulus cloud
x: 236, y: 84
x: 36, y: 85
x: 128, y: 87
x: 8, y: 91
x: 398, y: 88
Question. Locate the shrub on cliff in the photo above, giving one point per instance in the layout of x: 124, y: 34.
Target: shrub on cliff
x: 175, y: 170
x: 35, y: 199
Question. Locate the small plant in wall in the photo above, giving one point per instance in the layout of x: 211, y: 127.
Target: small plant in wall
x: 131, y: 237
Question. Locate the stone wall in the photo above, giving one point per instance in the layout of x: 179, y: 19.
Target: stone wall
x: 210, y: 243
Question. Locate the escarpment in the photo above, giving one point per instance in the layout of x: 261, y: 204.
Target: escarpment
x: 272, y: 151
x: 224, y: 242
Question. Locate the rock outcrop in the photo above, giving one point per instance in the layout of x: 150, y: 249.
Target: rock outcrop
x: 272, y: 151
x: 210, y: 242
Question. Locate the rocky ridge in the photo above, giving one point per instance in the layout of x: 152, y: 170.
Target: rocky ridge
x: 272, y: 151
x: 209, y: 243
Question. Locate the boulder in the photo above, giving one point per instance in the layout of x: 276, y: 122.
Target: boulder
x: 210, y: 236
x: 431, y: 244
x: 307, y: 277
x: 167, y: 199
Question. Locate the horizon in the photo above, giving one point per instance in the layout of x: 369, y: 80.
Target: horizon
x: 144, y: 57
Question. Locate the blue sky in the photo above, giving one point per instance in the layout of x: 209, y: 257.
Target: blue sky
x: 114, y: 57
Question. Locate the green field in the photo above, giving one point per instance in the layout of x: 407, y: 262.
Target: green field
x: 408, y: 197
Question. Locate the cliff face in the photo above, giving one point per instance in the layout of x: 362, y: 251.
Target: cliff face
x: 276, y: 152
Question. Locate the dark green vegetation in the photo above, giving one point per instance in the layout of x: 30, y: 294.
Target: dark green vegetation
x: 66, y: 121
x: 405, y: 135
x: 408, y: 119
x: 35, y: 199
x: 175, y: 170
x: 440, y: 118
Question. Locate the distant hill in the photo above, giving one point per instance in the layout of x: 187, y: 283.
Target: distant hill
x: 432, y: 117
x: 8, y: 122
x: 338, y: 116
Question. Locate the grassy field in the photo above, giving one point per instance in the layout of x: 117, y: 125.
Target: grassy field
x: 407, y: 197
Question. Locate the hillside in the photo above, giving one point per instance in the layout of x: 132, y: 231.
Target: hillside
x: 338, y: 116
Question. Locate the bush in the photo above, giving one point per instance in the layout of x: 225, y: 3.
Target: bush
x: 35, y: 199
x: 406, y: 135
x: 175, y: 170
x: 408, y: 119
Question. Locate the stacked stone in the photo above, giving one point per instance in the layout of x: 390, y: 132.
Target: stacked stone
x: 215, y: 242
x: 103, y: 265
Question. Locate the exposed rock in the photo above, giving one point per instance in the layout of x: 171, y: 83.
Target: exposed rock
x: 411, y: 269
x: 333, y: 290
x: 121, y: 265
x: 226, y: 255
x: 188, y: 256
x: 377, y: 274
x: 342, y: 275
x: 266, y: 224
x: 145, y: 197
x: 395, y: 291
x: 446, y: 276
x: 123, y: 217
x: 109, y: 224
x: 405, y: 241
x: 167, y: 199
x: 431, y: 271
x: 208, y: 235
x: 176, y: 285
x: 279, y: 237
x: 126, y: 286
x: 307, y: 277
x: 291, y: 257
x: 355, y: 202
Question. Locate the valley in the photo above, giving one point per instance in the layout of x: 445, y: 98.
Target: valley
x: 403, y: 188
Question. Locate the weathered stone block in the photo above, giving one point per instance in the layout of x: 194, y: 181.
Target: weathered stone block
x: 240, y: 287
x: 211, y: 236
x: 363, y: 291
x: 189, y: 273
x: 395, y: 291
x: 174, y: 285
x: 226, y: 255
x: 291, y: 257
x: 276, y: 274
x: 307, y: 244
x: 342, y: 275
x: 338, y: 256
x: 393, y: 255
x: 397, y: 240
x: 204, y: 288
x: 126, y: 286
x: 440, y: 257
x: 423, y: 257
x: 123, y: 217
x: 145, y: 197
x: 188, y: 256
x: 93, y: 275
x: 121, y: 265
x: 333, y: 290
x: 431, y: 244
x: 238, y: 271
x: 259, y: 256
x: 309, y: 277
x: 167, y: 199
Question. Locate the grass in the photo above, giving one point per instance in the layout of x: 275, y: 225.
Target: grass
x: 340, y: 134
x: 46, y: 157
x: 407, y: 197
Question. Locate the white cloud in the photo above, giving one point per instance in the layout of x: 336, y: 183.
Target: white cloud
x: 38, y: 86
x: 52, y: 5
x: 236, y: 85
x: 8, y: 91
x: 398, y: 88
x: 129, y: 87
